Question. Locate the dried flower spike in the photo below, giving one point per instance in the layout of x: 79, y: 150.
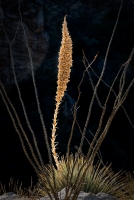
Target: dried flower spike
x: 64, y: 68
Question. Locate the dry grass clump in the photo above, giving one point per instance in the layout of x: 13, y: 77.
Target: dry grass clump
x: 17, y: 188
x: 129, y: 191
x: 98, y: 178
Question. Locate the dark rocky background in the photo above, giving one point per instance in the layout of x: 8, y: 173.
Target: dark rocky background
x: 90, y: 24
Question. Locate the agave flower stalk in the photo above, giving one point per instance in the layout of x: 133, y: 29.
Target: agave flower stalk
x: 64, y: 69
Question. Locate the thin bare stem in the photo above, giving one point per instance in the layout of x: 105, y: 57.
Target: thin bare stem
x: 91, y: 104
x: 100, y: 78
x: 35, y: 89
x: 122, y: 79
x: 39, y: 109
x: 112, y: 91
x: 19, y: 123
x: 22, y: 103
x: 26, y: 117
x: 12, y: 62
x: 92, y: 84
x: 102, y: 115
x: 72, y: 130
x: 18, y: 132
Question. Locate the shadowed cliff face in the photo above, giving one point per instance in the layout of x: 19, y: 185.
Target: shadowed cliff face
x: 11, y: 31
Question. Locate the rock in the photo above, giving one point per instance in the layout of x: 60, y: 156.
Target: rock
x: 84, y: 196
x: 61, y: 195
x: 11, y: 196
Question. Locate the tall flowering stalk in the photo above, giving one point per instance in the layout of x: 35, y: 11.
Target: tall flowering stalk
x: 64, y: 68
